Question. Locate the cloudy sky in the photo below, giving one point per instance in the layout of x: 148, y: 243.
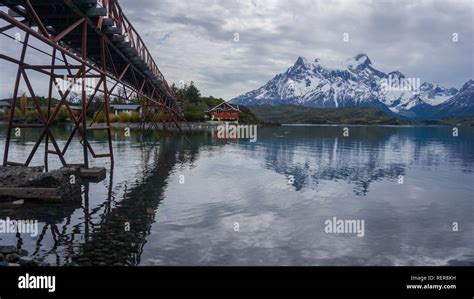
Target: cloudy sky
x: 229, y: 47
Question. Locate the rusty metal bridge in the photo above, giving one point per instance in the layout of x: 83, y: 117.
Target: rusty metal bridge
x: 88, y: 39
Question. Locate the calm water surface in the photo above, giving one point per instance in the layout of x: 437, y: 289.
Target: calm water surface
x: 230, y: 183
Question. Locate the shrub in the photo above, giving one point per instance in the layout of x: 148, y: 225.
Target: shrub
x: 112, y: 118
x: 135, y: 117
x: 159, y: 116
x: 197, y: 116
x: 3, y: 115
x: 100, y: 117
x: 31, y: 116
x: 124, y: 117
x: 17, y: 114
x: 62, y: 115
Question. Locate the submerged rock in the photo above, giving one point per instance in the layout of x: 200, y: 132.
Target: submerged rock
x: 19, y: 182
x: 12, y: 257
x: 27, y: 261
x: 8, y: 249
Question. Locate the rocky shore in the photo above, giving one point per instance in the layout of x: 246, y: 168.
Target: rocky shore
x: 10, y: 256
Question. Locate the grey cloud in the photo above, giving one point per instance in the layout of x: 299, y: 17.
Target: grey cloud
x: 414, y: 37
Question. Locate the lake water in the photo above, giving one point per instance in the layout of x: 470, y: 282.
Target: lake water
x: 215, y: 202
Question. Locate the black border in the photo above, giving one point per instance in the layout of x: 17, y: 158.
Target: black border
x: 221, y: 282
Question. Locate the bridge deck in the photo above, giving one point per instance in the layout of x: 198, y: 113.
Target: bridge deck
x: 126, y: 44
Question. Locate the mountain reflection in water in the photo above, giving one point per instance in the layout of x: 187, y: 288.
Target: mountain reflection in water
x: 167, y: 202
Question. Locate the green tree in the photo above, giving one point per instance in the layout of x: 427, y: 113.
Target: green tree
x: 192, y: 94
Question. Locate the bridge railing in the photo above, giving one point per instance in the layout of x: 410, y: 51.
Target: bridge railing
x: 115, y: 12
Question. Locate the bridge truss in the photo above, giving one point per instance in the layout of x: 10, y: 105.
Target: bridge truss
x: 88, y: 41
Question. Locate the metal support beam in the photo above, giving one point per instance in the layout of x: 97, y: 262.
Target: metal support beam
x: 79, y: 37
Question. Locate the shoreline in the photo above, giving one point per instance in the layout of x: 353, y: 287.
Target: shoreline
x: 207, y: 125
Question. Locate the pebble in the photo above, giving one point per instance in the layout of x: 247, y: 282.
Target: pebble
x: 8, y: 249
x: 71, y: 264
x: 12, y: 257
x: 27, y: 261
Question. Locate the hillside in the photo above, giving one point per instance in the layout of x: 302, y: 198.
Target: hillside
x: 467, y: 120
x: 293, y: 114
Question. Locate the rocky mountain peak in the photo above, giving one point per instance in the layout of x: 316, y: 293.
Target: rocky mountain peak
x: 350, y: 83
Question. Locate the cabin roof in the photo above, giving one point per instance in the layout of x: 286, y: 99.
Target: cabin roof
x: 72, y: 107
x: 224, y: 104
x: 124, y: 106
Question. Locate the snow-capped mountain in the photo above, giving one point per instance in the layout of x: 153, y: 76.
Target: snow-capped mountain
x: 354, y: 82
x: 460, y: 104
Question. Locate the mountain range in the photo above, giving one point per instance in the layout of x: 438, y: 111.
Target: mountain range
x: 357, y: 83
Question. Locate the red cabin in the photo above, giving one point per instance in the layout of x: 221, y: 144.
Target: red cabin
x: 224, y: 111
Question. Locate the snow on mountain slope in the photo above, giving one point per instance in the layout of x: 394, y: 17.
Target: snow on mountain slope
x: 349, y: 83
x: 460, y: 104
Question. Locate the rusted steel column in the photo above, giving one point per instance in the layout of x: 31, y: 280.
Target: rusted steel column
x: 52, y: 80
x: 84, y: 96
x: 15, y: 95
x: 106, y: 99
